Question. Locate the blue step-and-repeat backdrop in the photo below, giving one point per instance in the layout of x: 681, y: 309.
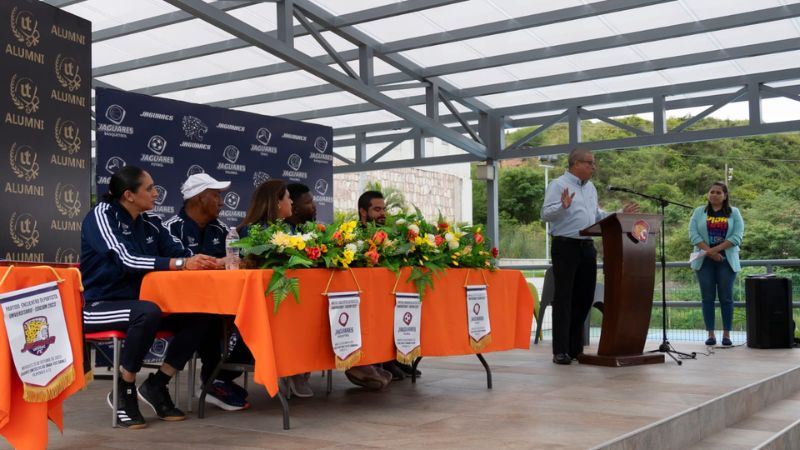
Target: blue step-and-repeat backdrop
x: 172, y: 140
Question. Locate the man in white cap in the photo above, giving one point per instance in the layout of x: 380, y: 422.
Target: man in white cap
x: 198, y: 227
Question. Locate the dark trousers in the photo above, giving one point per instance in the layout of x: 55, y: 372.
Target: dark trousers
x: 140, y: 320
x: 575, y: 275
x: 210, y: 351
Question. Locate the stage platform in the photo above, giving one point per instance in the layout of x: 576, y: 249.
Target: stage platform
x: 734, y: 398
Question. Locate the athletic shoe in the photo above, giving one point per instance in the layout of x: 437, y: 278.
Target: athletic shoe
x: 221, y: 395
x: 157, y: 396
x: 299, y: 386
x: 238, y: 390
x: 367, y: 376
x: 727, y: 342
x: 711, y: 341
x: 128, y: 415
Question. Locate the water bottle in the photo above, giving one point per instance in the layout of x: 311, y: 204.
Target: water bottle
x: 231, y: 253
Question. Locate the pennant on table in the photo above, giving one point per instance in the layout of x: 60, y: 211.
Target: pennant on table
x: 407, y: 319
x: 480, y: 330
x: 345, y: 320
x: 39, y: 340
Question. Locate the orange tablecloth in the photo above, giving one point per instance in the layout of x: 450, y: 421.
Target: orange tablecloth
x: 297, y: 338
x: 24, y: 424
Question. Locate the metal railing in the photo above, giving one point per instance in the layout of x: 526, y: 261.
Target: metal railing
x: 684, y: 315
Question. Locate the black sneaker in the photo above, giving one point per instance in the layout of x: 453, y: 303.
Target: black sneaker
x: 128, y: 415
x: 157, y: 396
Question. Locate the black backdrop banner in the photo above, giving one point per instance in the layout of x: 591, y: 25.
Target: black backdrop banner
x: 172, y: 140
x: 45, y: 136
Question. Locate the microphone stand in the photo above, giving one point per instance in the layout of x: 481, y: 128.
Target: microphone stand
x: 665, y: 346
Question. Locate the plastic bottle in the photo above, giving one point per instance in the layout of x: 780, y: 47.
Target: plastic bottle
x: 231, y: 253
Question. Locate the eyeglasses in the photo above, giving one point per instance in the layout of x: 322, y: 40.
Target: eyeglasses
x: 590, y: 162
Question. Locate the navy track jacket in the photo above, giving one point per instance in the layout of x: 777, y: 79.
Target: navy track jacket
x: 117, y: 251
x: 210, y: 241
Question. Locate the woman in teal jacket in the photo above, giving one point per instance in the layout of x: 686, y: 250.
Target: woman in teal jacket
x: 717, y: 229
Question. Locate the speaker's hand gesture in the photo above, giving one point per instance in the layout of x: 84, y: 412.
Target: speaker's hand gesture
x: 566, y: 198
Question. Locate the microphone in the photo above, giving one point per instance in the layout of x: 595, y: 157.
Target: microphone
x: 619, y: 189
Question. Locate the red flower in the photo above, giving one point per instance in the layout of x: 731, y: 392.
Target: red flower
x: 379, y: 237
x: 313, y: 252
x: 438, y: 240
x: 373, y: 255
x: 478, y: 238
x: 495, y: 252
x: 321, y: 227
x: 411, y: 235
x: 443, y: 226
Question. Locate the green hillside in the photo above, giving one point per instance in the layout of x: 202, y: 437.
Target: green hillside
x: 764, y: 185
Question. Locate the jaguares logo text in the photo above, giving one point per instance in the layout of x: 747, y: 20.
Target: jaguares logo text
x: 25, y: 27
x: 24, y: 231
x: 68, y: 200
x: 67, y: 72
x: 23, y: 163
x: 67, y: 136
x: 24, y: 94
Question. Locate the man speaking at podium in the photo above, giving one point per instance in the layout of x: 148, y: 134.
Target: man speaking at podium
x: 570, y: 205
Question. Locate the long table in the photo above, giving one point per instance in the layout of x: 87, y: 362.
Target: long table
x: 24, y: 424
x: 296, y: 339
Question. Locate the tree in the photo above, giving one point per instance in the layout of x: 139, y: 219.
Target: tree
x: 393, y: 197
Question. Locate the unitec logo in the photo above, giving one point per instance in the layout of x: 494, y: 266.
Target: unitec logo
x: 23, y: 230
x: 23, y: 162
x: 67, y: 73
x: 24, y: 27
x: 23, y: 94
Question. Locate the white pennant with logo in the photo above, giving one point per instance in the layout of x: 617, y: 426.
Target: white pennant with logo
x: 39, y: 340
x: 407, y: 320
x: 345, y: 319
x: 480, y: 329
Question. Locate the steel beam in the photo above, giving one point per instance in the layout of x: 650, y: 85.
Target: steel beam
x: 368, y: 15
x: 621, y: 40
x: 404, y: 163
x: 573, y: 77
x: 671, y: 138
x: 546, y: 121
x: 162, y: 20
x: 394, y: 47
x: 263, y: 41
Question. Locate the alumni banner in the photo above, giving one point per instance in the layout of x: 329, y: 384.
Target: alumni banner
x: 172, y: 140
x: 45, y: 136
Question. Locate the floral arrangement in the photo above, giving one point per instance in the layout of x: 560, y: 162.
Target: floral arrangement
x: 406, y: 240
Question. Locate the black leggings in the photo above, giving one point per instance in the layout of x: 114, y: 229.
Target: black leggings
x: 140, y: 320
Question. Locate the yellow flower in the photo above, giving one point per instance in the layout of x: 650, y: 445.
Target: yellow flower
x: 297, y: 242
x: 281, y: 239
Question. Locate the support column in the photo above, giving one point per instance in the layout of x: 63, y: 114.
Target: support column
x: 659, y: 116
x: 574, y: 126
x: 492, y: 133
x: 286, y: 22
x: 365, y: 64
x: 754, y: 103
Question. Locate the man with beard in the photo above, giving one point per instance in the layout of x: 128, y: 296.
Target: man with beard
x: 303, y: 207
x: 198, y: 227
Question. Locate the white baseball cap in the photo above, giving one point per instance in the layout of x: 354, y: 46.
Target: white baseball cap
x: 199, y: 182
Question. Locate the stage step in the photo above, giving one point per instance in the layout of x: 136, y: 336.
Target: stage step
x: 764, y: 413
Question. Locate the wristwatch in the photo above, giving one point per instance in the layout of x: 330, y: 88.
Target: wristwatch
x: 180, y: 264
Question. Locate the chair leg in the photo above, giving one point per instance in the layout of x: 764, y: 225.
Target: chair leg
x: 190, y: 382
x: 177, y: 387
x: 539, y: 321
x: 115, y: 380
x: 329, y: 382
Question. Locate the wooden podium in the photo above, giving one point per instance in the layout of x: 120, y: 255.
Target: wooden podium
x: 629, y: 256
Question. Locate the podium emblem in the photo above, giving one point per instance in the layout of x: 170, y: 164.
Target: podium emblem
x: 640, y: 231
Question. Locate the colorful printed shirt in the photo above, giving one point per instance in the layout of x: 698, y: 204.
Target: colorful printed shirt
x: 717, y: 225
